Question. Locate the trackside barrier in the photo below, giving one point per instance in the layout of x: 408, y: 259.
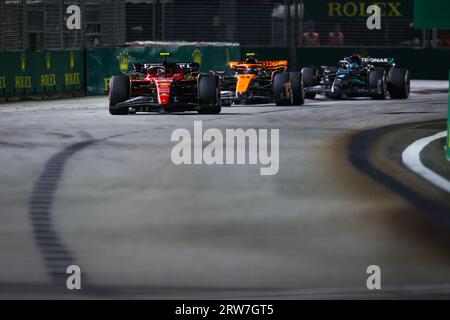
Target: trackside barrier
x: 430, y: 14
x: 41, y: 73
x: 422, y: 63
x: 447, y: 145
x: 102, y: 63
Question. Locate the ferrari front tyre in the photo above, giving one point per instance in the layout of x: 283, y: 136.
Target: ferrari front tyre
x: 279, y: 81
x: 209, y: 94
x: 399, y: 83
x: 119, y: 91
x: 378, y: 84
x: 309, y: 80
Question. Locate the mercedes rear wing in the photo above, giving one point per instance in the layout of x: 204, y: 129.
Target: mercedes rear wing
x: 379, y: 62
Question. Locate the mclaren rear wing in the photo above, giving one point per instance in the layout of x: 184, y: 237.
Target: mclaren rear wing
x: 268, y: 64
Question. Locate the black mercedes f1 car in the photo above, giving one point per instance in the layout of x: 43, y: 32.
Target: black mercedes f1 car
x: 378, y: 78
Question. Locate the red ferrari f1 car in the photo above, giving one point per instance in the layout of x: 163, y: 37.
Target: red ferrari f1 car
x: 164, y: 87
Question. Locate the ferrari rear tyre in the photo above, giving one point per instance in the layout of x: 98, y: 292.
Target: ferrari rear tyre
x: 399, y: 83
x: 208, y: 90
x: 209, y: 94
x: 119, y: 91
x: 210, y: 110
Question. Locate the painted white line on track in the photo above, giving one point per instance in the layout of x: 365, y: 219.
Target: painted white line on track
x: 411, y: 159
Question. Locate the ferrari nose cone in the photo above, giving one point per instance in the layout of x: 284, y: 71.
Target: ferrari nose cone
x: 163, y: 88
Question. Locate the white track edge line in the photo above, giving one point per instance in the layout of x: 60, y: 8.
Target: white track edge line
x: 411, y: 159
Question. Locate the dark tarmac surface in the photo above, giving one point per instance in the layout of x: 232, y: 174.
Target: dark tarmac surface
x: 82, y: 187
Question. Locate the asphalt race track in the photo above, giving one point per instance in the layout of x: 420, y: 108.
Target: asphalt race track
x: 79, y: 186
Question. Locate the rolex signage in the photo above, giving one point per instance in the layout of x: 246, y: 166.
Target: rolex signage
x: 353, y: 9
x: 35, y: 72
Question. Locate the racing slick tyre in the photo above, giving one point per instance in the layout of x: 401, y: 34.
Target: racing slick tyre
x: 209, y: 94
x: 119, y: 92
x: 309, y: 80
x: 297, y: 89
x: 377, y: 78
x: 279, y: 81
x: 399, y: 83
x: 226, y: 103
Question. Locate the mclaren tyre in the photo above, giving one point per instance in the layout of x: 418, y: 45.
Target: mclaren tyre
x: 279, y: 81
x: 309, y: 80
x: 297, y: 89
x: 288, y: 89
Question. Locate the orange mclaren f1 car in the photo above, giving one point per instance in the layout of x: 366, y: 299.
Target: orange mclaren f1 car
x: 261, y: 81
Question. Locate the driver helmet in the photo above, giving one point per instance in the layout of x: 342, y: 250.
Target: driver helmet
x: 160, y: 72
x: 355, y: 61
x: 253, y: 70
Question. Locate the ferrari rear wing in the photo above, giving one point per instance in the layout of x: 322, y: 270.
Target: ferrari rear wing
x: 182, y: 65
x: 185, y: 66
x: 189, y: 66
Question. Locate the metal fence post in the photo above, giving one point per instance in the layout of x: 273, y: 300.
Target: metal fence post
x: 291, y: 44
x: 83, y: 14
x: 163, y: 20
x: 296, y: 20
x: 154, y: 25
x: 61, y: 26
x: 300, y: 23
x: 25, y: 42
x: 2, y: 19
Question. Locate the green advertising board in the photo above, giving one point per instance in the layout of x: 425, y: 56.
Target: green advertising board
x: 432, y: 14
x: 436, y: 66
x: 356, y: 9
x: 38, y: 72
x: 102, y: 63
x: 447, y: 145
